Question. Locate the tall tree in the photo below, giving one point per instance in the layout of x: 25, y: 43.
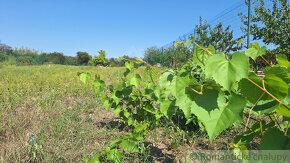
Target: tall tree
x: 219, y: 37
x: 270, y: 24
x: 100, y: 59
x: 83, y: 57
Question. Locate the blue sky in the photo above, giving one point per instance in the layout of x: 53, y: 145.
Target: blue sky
x: 120, y: 27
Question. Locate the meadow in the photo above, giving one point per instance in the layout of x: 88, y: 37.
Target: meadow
x: 49, y: 104
x: 48, y: 115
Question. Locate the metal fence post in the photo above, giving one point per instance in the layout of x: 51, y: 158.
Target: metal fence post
x: 249, y: 23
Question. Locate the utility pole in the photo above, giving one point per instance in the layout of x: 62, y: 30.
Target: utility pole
x: 249, y: 21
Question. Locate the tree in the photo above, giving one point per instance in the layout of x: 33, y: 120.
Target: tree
x: 220, y: 38
x: 83, y: 57
x: 57, y: 57
x: 270, y: 25
x: 100, y: 59
x: 5, y: 49
x: 153, y: 55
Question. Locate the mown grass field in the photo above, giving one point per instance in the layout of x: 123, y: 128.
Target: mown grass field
x: 48, y: 115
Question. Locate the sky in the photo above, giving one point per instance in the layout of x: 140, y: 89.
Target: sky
x: 120, y: 27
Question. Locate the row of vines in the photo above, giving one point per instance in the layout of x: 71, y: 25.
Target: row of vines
x: 212, y: 90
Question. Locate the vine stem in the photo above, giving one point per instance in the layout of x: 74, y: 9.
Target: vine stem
x: 266, y: 61
x: 265, y: 90
x: 200, y: 93
x: 252, y: 109
x: 203, y: 48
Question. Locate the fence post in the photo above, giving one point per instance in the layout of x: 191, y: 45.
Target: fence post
x: 249, y: 23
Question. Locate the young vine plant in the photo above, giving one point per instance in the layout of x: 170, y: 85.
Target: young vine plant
x: 218, y: 89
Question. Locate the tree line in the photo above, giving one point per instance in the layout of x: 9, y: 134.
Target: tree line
x: 271, y: 25
x: 26, y: 56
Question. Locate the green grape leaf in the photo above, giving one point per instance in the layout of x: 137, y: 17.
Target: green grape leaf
x: 115, y: 155
x: 282, y: 60
x: 121, y: 58
x: 225, y: 72
x: 262, y: 51
x: 85, y: 77
x: 256, y: 46
x: 107, y: 105
x: 249, y: 90
x: 129, y: 146
x: 167, y: 108
x: 276, y: 86
x: 274, y: 139
x: 135, y: 80
x: 281, y: 109
x: 275, y: 81
x: 182, y: 100
x: 217, y: 115
x: 254, y: 53
x: 117, y: 110
x: 278, y: 71
x: 99, y: 86
x: 200, y: 56
x: 95, y: 159
x: 211, y: 49
x: 129, y: 65
x: 165, y: 79
x: 150, y: 74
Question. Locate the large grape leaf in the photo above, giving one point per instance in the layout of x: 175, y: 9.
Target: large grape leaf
x: 281, y: 109
x: 275, y: 81
x: 282, y: 60
x: 274, y: 139
x: 84, y: 77
x: 165, y: 79
x: 281, y: 72
x: 135, y: 80
x: 276, y: 86
x: 200, y: 56
x: 181, y: 90
x: 250, y: 91
x: 215, y: 113
x: 129, y: 146
x: 254, y: 53
x: 227, y: 72
x: 167, y: 107
x: 99, y: 86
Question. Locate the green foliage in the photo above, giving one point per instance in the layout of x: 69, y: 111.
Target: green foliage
x: 274, y: 139
x: 215, y: 98
x: 100, y: 59
x: 219, y: 37
x: 227, y: 72
x: 254, y: 53
x: 270, y: 24
x: 84, y: 77
x: 83, y: 57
